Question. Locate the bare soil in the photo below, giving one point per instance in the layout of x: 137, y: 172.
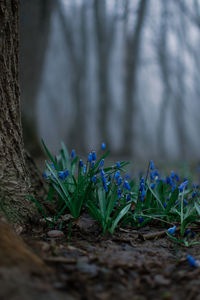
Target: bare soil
x: 132, y: 264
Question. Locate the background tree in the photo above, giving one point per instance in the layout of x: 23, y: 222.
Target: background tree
x: 15, y: 179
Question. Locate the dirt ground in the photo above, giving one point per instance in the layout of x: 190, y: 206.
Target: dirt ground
x: 131, y: 264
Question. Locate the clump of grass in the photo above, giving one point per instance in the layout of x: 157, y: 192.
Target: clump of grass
x: 110, y: 197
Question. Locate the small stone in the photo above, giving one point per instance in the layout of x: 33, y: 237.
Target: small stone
x: 66, y: 217
x: 55, y: 233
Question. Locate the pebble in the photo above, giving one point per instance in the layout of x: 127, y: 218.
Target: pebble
x: 55, y: 233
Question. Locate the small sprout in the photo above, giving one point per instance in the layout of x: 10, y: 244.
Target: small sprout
x: 171, y: 230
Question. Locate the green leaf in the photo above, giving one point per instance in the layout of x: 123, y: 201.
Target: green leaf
x: 49, y: 155
x: 119, y: 217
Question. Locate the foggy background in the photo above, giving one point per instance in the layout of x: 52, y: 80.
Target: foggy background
x: 125, y: 72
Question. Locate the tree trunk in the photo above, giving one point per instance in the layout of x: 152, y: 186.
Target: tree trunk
x: 35, y: 20
x: 132, y: 49
x: 14, y: 177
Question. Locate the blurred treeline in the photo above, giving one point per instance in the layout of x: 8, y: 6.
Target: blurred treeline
x: 125, y: 72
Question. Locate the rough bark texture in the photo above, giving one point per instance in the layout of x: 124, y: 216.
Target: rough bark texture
x: 14, y: 178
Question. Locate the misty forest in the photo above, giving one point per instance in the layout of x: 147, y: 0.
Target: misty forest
x: 99, y: 149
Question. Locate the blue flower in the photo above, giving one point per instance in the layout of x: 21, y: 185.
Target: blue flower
x: 94, y: 156
x: 90, y: 157
x: 101, y: 164
x: 126, y: 185
x: 185, y: 202
x: 156, y: 173
x: 191, y: 261
x: 194, y: 194
x: 128, y: 197
x: 143, y: 193
x: 52, y: 164
x: 177, y: 177
x: 80, y: 163
x: 119, y: 181
x: 94, y: 178
x: 140, y: 219
x: 153, y: 186
x: 63, y: 174
x: 119, y: 193
x: 187, y: 232
x: 117, y: 174
x: 171, y: 230
x: 172, y: 175
x: 183, y: 185
x: 92, y: 164
x: 84, y: 169
x: 165, y: 204
x: 169, y: 181
x: 103, y: 179
x: 173, y: 187
x: 152, y: 176
x: 118, y: 164
x: 151, y: 165
x: 102, y: 172
x: 73, y: 153
x: 105, y: 187
x: 45, y: 175
x: 103, y: 146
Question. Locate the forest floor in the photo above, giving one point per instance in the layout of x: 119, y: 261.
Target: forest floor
x: 131, y: 264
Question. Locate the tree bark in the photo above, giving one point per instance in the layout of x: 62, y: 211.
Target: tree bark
x: 14, y: 177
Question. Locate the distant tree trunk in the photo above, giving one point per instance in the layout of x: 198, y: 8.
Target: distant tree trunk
x: 35, y: 21
x: 104, y: 37
x: 78, y: 62
x: 132, y: 55
x: 15, y: 181
x: 163, y: 58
